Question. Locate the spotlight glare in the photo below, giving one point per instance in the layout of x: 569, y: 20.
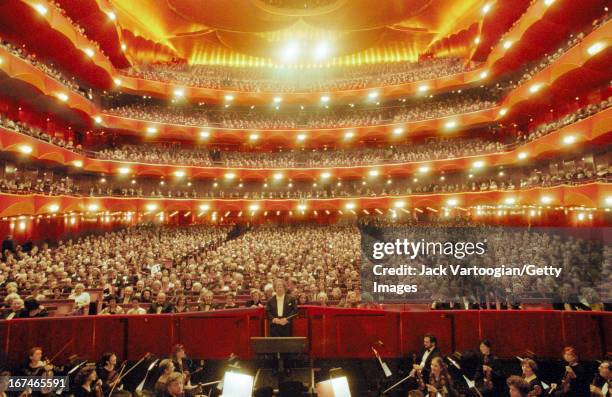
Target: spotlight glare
x: 510, y: 200
x: 111, y: 15
x: 450, y: 124
x: 98, y: 119
x: 117, y: 82
x: 373, y: 173
x: 452, y: 202
x: 151, y: 207
x: 486, y: 8
x: 423, y: 88
x: 350, y: 206
x: 503, y: 111
x: 301, y: 137
x: 548, y: 2
x: 179, y: 173
x: 484, y: 74
x: 253, y: 137
x: 89, y: 52
x: 399, y: 204
x: 62, y: 96
x: 77, y: 163
x: 179, y: 93
x: 290, y: 52
x: 54, y: 208
x: 278, y: 176
x: 151, y: 130
x: 277, y: 99
x: 124, y: 170
x: 92, y: 207
x: 325, y: 175
x: 204, y: 134
x: 373, y: 95
x: 398, y: 131
x: 204, y: 207
x: 507, y: 44
x: 229, y: 98
x: 423, y: 169
x: 230, y: 175
x: 325, y: 98
x: 522, y: 155
x: 349, y: 135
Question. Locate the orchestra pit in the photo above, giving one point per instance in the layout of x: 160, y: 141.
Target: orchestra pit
x: 294, y: 198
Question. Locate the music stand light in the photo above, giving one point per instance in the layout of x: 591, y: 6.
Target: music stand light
x: 237, y: 385
x: 335, y: 387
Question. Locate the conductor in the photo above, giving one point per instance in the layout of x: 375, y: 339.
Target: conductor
x: 280, y: 310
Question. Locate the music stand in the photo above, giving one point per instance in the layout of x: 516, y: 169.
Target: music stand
x: 279, y: 346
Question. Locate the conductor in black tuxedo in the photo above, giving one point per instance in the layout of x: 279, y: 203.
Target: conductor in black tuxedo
x: 280, y: 309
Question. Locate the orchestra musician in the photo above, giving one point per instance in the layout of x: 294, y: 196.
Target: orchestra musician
x: 430, y: 351
x: 529, y: 368
x: 87, y: 383
x: 167, y: 368
x: 440, y: 383
x: 174, y: 386
x: 110, y: 376
x: 602, y: 383
x: 279, y: 309
x: 487, y: 373
x: 517, y: 386
x: 575, y: 382
x: 36, y: 366
x: 186, y: 366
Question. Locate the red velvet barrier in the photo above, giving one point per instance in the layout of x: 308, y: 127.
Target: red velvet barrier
x: 332, y: 332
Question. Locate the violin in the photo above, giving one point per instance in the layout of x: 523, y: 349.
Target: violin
x: 488, y: 375
x: 98, y: 388
x: 419, y: 374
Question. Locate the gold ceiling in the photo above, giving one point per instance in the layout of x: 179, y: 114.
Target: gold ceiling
x: 258, y: 32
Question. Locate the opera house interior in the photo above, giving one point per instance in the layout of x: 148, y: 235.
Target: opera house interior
x: 305, y: 198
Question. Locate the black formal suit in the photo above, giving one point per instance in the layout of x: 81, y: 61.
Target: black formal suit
x: 21, y: 313
x: 165, y: 308
x: 289, y: 309
x: 435, y: 352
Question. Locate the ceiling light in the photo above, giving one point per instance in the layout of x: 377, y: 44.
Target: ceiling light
x: 301, y: 137
x: 507, y: 44
x: 92, y: 207
x: 325, y: 175
x: 478, y: 164
x: 151, y: 130
x: 230, y: 175
x: 373, y: 172
x: 398, y: 131
x: 484, y: 74
x: 373, y: 94
x: 503, y: 111
x: 254, y: 207
x: 77, y: 163
x: 229, y: 98
x: 423, y: 88
x: 62, y: 97
x: 452, y: 202
x: 277, y: 99
x: 98, y: 119
x: 204, y: 207
x: 546, y: 200
x: 151, y: 207
x: 179, y: 93
x: 124, y: 170
x: 522, y: 156
x: 25, y: 149
x: 54, y: 208
x: 322, y: 50
x: 253, y: 137
x: 301, y: 207
x: 111, y: 15
x: 399, y: 204
x: 477, y: 40
x: 595, y: 48
x: 123, y: 47
x: 486, y: 8
x: 423, y: 169
x: 510, y: 200
x: 290, y: 52
x: 117, y: 82
x: 450, y: 124
x: 179, y: 173
x: 325, y: 98
x: 278, y: 176
x: 350, y: 206
x: 90, y: 53
x: 204, y: 134
x: 569, y: 139
x: 349, y: 135
x: 548, y: 2
x: 535, y: 88
x: 41, y: 9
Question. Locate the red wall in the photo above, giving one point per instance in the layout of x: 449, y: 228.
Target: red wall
x: 332, y: 333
